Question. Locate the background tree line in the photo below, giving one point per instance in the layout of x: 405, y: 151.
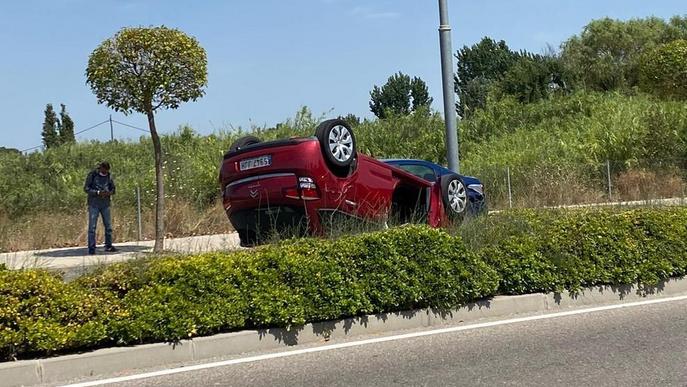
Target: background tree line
x: 607, y: 56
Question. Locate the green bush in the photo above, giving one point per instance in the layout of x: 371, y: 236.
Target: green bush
x: 552, y: 250
x: 290, y: 283
x: 306, y: 280
x: 40, y: 314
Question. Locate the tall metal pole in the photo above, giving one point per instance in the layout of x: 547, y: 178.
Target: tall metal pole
x: 608, y: 175
x: 510, y: 191
x: 138, y: 213
x: 111, y: 129
x: 449, y: 91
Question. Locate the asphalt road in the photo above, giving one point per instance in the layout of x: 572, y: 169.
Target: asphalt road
x: 636, y: 346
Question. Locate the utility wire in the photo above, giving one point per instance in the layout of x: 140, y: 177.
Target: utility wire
x: 91, y: 128
x: 131, y: 126
x: 79, y: 132
x: 28, y: 149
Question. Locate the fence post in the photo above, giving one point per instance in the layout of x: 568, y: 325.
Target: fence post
x: 608, y: 174
x: 138, y: 212
x: 510, y: 192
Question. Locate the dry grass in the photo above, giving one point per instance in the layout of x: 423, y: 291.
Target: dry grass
x: 642, y: 184
x: 546, y: 186
x: 558, y: 187
x: 46, y: 230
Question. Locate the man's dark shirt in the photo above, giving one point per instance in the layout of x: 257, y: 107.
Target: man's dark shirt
x: 94, y: 183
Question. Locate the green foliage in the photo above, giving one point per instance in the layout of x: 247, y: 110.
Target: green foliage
x: 556, y: 139
x: 306, y: 280
x: 290, y: 283
x: 490, y: 70
x: 40, y: 314
x: 351, y: 119
x: 401, y: 95
x: 605, y: 56
x: 478, y: 67
x: 533, y: 77
x: 8, y: 151
x: 50, y: 135
x: 57, y: 131
x: 143, y: 69
x: 556, y: 250
x: 663, y: 70
x: 566, y: 139
x: 419, y: 135
x: 66, y: 127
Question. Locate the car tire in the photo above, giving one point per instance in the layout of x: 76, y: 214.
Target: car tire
x: 243, y: 142
x: 338, y: 144
x: 455, y: 197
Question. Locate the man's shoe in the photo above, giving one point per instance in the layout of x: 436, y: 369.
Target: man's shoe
x: 91, y: 252
x: 110, y: 249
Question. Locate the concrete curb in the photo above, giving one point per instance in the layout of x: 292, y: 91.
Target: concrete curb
x: 112, y: 360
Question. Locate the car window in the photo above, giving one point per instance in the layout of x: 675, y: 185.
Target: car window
x: 420, y: 171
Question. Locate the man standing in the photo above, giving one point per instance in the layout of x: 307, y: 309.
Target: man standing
x: 99, y: 187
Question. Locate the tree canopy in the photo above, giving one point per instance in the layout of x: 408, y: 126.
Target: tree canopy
x: 605, y: 56
x: 50, y: 135
x: 479, y: 67
x: 66, y: 126
x: 399, y: 95
x: 663, y: 70
x: 144, y: 69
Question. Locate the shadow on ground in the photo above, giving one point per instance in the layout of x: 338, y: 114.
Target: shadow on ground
x: 79, y: 252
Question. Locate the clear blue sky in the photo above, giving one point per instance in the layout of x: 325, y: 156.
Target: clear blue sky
x: 266, y: 58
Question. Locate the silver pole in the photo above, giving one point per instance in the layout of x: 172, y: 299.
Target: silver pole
x: 111, y: 129
x: 138, y: 207
x: 608, y: 174
x: 449, y: 91
x: 510, y: 193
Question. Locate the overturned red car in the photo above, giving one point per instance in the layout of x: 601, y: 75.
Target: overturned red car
x: 306, y: 184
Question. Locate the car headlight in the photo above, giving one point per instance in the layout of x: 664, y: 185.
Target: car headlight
x: 479, y: 188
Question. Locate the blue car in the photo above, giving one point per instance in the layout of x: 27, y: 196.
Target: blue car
x: 432, y: 172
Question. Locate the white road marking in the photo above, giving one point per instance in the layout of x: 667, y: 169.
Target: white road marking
x: 373, y: 341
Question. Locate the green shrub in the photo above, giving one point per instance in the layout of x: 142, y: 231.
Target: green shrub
x: 306, y: 280
x: 552, y: 250
x: 41, y: 314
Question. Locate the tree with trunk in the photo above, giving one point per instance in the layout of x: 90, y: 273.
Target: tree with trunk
x: 66, y: 127
x: 50, y: 135
x: 144, y: 70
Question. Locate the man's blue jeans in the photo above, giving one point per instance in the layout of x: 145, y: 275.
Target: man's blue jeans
x: 93, y: 213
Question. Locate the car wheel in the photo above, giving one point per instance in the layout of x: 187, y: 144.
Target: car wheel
x: 455, y: 197
x: 243, y: 142
x: 337, y: 142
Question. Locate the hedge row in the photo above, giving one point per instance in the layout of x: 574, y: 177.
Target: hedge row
x: 298, y: 281
x: 553, y: 250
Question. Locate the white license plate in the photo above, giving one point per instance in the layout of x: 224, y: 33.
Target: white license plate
x: 257, y: 162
